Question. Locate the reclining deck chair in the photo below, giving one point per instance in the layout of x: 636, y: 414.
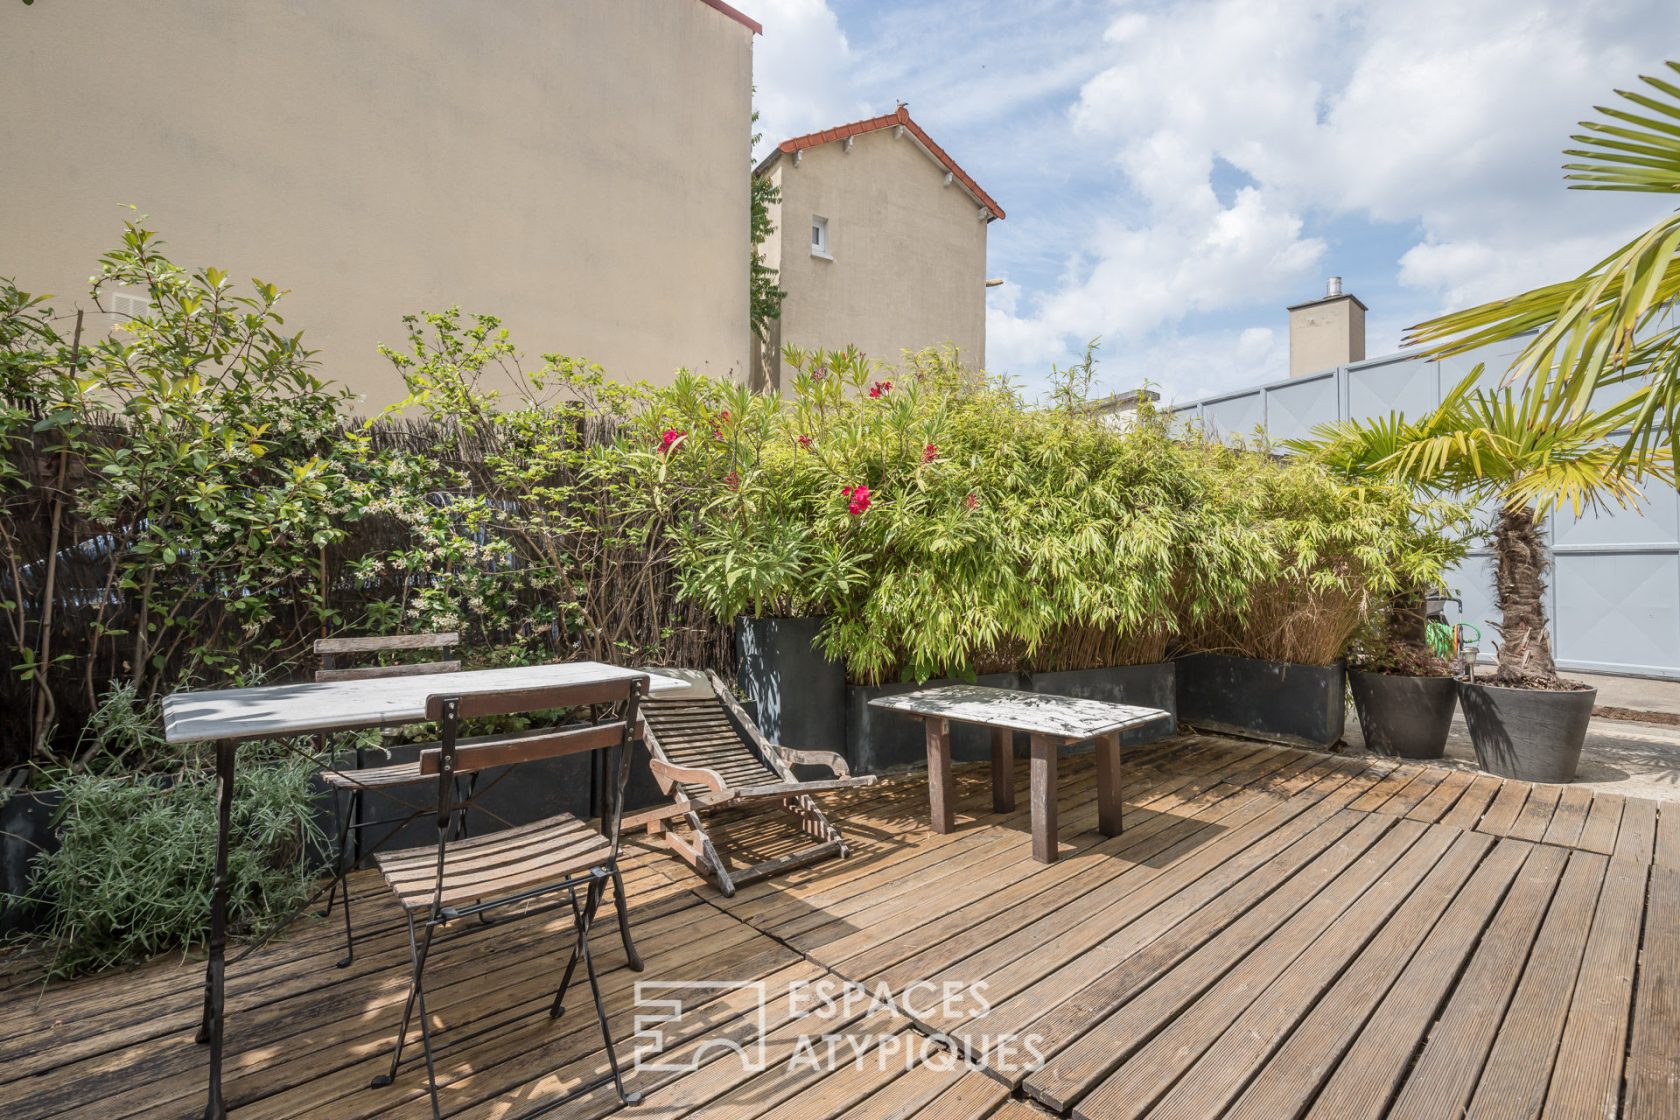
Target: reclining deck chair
x: 707, y: 754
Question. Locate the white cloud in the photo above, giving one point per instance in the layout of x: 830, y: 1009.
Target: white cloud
x: 802, y: 70
x: 1441, y: 114
x: 1431, y: 128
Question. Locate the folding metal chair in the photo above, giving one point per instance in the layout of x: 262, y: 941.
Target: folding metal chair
x: 392, y: 780
x: 363, y: 779
x: 463, y: 877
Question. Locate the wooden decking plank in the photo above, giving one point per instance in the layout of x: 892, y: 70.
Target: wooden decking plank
x: 1653, y: 1061
x: 1409, y: 796
x: 344, y: 1048
x: 483, y: 1087
x: 811, y: 1084
x: 1083, y: 1052
x: 1536, y: 815
x: 973, y: 1097
x: 1445, y: 1073
x: 1386, y: 787
x: 828, y: 888
x: 1149, y: 844
x: 1318, y: 992
x: 1570, y: 818
x: 1636, y: 835
x: 1213, y: 886
x: 1321, y: 946
x: 1247, y: 826
x: 1372, y: 1070
x: 904, y: 1096
x: 1514, y: 1080
x: 1192, y: 926
x: 1667, y: 852
x: 1603, y: 821
x: 1442, y: 798
x: 1507, y: 803
x: 1077, y: 993
x: 1586, y: 1075
x: 300, y: 1002
x: 840, y: 940
x: 1468, y: 809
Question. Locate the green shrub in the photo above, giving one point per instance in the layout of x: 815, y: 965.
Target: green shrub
x: 996, y: 535
x: 133, y: 874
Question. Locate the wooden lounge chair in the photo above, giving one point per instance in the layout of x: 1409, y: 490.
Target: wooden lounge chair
x: 706, y: 754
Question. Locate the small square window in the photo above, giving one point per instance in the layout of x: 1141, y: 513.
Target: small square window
x: 819, y: 237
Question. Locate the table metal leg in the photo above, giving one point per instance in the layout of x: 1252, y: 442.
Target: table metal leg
x: 1003, y: 770
x: 210, y: 1030
x: 1044, y: 799
x: 939, y: 775
x: 1108, y: 784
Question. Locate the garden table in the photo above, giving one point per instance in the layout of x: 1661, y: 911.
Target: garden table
x: 1051, y: 721
x: 229, y: 717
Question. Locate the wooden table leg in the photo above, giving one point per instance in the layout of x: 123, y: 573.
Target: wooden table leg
x: 939, y: 775
x: 1108, y: 784
x: 1003, y: 770
x: 1044, y: 799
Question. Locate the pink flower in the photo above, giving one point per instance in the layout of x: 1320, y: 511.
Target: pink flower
x: 860, y: 499
x: 805, y: 441
x: 732, y: 480
x: 972, y: 500
x: 879, y: 388
x: 930, y: 453
x: 669, y: 440
x: 819, y: 373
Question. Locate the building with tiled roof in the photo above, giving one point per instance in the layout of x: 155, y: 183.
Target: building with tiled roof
x: 880, y: 242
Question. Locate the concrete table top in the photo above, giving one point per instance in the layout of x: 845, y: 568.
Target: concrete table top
x: 1060, y: 717
x: 274, y: 711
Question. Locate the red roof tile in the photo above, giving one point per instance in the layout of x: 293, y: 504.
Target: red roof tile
x: 744, y: 20
x: 892, y: 120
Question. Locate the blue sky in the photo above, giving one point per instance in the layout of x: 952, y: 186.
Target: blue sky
x: 1176, y: 174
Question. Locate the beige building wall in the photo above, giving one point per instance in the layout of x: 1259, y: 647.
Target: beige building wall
x: 577, y: 167
x: 909, y: 252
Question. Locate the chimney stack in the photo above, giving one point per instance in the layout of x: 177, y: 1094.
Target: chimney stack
x: 1326, y: 332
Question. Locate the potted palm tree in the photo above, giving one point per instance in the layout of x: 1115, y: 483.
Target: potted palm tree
x: 1403, y: 691
x: 1504, y: 449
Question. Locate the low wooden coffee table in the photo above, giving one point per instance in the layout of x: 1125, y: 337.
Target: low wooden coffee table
x: 1052, y: 721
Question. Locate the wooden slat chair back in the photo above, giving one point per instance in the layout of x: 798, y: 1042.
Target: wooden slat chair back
x: 557, y: 862
x: 706, y: 753
x: 335, y: 652
x: 339, y: 659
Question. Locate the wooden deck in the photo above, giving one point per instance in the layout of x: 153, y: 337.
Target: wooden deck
x: 1276, y: 934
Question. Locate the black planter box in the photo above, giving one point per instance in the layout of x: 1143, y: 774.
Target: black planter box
x: 26, y: 831
x: 799, y: 692
x: 878, y: 741
x: 1146, y: 686
x: 1279, y: 701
